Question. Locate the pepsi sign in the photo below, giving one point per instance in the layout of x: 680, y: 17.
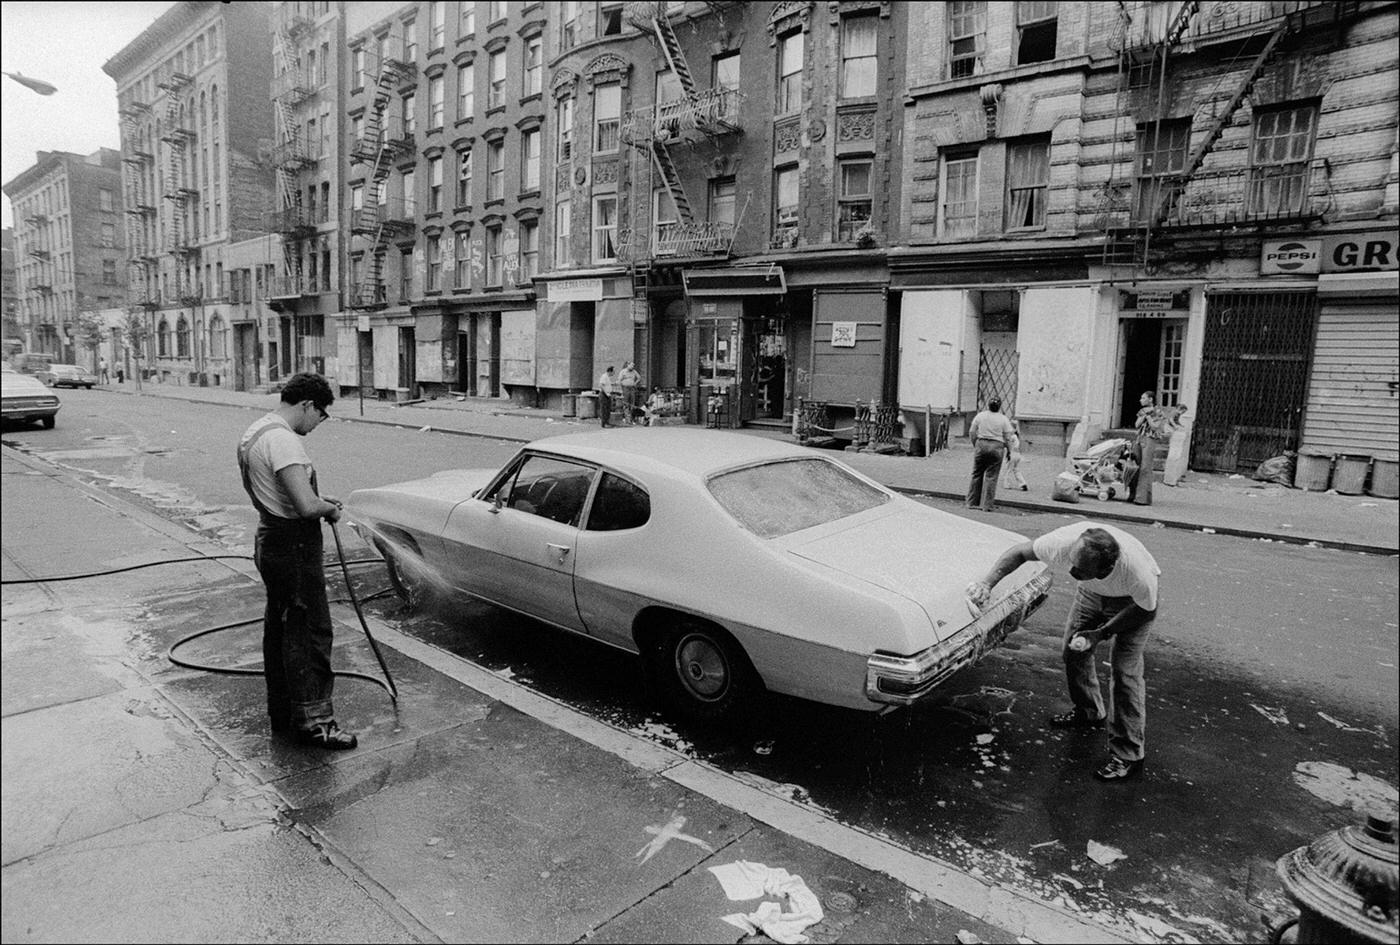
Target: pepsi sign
x: 1291, y: 256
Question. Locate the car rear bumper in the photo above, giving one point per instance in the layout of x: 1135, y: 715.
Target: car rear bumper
x: 34, y: 408
x: 903, y: 680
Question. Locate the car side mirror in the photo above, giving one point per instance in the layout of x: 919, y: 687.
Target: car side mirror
x: 496, y: 502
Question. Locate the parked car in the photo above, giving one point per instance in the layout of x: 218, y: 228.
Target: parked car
x: 728, y: 562
x: 67, y: 375
x: 23, y: 398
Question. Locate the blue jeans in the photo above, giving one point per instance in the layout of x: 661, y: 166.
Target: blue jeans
x: 986, y: 467
x: 296, y: 624
x: 1127, y: 724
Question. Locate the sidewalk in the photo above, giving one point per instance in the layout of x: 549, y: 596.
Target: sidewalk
x: 144, y: 802
x: 1226, y: 505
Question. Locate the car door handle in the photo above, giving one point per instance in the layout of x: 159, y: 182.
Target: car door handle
x: 562, y: 551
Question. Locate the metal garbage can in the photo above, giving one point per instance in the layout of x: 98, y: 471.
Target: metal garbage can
x: 1385, y: 479
x: 570, y: 401
x: 1349, y: 478
x: 1345, y: 886
x: 1313, y: 472
x: 588, y: 405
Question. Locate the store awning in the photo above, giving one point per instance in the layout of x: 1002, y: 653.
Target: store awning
x: 754, y: 280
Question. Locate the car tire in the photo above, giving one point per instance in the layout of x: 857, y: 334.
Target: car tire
x: 406, y: 585
x: 47, y: 422
x: 701, y: 673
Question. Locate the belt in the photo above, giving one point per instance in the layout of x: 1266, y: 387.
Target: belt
x: 988, y: 439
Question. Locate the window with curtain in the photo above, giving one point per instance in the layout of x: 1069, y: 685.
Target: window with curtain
x: 967, y: 25
x: 726, y: 81
x: 785, y: 205
x: 722, y: 200
x: 563, y: 222
x: 858, y: 56
x: 604, y: 229
x: 464, y: 178
x: 530, y: 160
x: 607, y: 116
x: 530, y: 247
x: 462, y: 278
x: 466, y: 92
x: 854, y: 202
x: 495, y: 256
x: 1280, y: 157
x: 434, y: 248
x: 564, y: 128
x: 437, y: 104
x: 1027, y: 179
x: 434, y: 184
x: 958, y: 202
x: 496, y: 79
x: 790, y: 72
x: 534, y: 66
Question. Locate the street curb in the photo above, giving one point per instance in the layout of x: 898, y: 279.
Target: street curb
x: 1100, y: 513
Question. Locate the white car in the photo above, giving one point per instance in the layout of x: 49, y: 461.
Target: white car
x: 729, y: 562
x: 25, y: 398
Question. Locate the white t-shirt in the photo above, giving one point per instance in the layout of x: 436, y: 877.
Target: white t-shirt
x: 1134, y: 575
x: 607, y: 383
x: 275, y: 450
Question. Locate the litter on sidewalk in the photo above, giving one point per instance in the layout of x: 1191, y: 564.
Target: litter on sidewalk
x: 744, y: 880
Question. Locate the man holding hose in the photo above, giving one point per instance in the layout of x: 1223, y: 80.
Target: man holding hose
x: 281, y: 482
x: 1116, y: 600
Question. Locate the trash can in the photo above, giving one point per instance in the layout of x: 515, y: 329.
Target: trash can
x: 570, y: 404
x: 1385, y: 479
x: 588, y: 405
x: 1349, y: 478
x: 1313, y: 472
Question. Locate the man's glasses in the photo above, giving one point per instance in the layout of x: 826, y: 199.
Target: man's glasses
x: 322, y: 412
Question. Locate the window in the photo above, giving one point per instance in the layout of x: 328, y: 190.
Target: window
x: 854, y: 202
x: 1279, y: 160
x: 104, y: 199
x: 182, y: 338
x: 325, y: 143
x: 563, y: 221
x: 218, y: 338
x: 785, y: 206
x: 434, y: 185
x: 410, y: 195
x: 604, y: 229
x: 410, y: 40
x: 410, y: 121
x: 468, y: 24
x: 1027, y: 176
x: 858, y: 56
x: 1037, y: 27
x: 568, y: 25
x: 967, y: 22
x: 1161, y: 159
x: 436, y: 104
x: 163, y: 339
x: 325, y: 201
x: 109, y: 272
x: 564, y: 123
x: 464, y: 178
x: 358, y: 58
x: 607, y: 116
x: 495, y: 256
x: 326, y: 266
x: 109, y: 234
x: 530, y: 248
x: 437, y: 23
x: 434, y: 263
x: 722, y: 200
x: 357, y: 128
x: 958, y: 205
x: 790, y: 73
x: 496, y: 76
x: 323, y: 64
x: 609, y: 18
x: 664, y: 218
x: 495, y: 170
x: 726, y: 80
x: 618, y: 504
x: 466, y: 92
x: 357, y: 198
x: 405, y: 274
x: 462, y: 278
x: 495, y: 10
x: 534, y: 66
x: 550, y: 488
x: 530, y: 160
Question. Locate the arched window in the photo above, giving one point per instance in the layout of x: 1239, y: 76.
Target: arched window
x: 163, y: 339
x: 218, y: 337
x: 182, y: 338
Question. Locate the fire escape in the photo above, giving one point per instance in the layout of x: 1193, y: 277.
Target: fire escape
x: 651, y: 133
x: 180, y: 241
x: 380, y: 219
x: 291, y: 86
x: 141, y: 211
x: 1170, y: 187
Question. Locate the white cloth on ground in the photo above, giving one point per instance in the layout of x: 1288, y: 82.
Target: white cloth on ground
x: 745, y: 880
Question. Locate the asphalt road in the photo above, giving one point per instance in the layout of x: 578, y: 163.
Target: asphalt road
x: 1272, y: 681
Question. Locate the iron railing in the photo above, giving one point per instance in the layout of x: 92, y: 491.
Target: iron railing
x: 1220, y: 197
x: 1147, y: 22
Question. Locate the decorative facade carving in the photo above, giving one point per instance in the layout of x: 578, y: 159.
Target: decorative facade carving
x: 605, y: 173
x: 562, y: 82
x: 561, y: 179
x: 786, y: 16
x: 855, y: 125
x: 837, y: 8
x: 991, y: 101
x: 787, y: 136
x: 608, y: 67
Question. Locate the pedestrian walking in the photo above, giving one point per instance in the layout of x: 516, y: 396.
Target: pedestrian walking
x: 991, y: 435
x: 607, y: 386
x: 297, y: 633
x: 629, y: 378
x: 1116, y: 600
x: 102, y: 376
x: 1014, y: 479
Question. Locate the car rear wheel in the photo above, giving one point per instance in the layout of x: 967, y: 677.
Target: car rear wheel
x: 403, y: 570
x: 701, y: 673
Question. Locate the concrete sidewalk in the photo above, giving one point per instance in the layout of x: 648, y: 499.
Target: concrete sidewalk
x: 144, y: 802
x: 1226, y: 505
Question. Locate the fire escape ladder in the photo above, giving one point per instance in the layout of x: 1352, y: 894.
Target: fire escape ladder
x: 672, y: 177
x: 671, y: 51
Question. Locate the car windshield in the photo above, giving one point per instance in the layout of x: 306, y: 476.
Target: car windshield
x: 778, y: 498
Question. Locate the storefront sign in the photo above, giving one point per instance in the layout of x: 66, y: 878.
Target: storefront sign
x: 1350, y: 252
x: 362, y: 323
x: 640, y: 311
x: 1154, y: 303
x: 576, y: 290
x: 843, y: 334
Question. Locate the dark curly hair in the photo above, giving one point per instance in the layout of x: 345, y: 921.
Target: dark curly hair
x: 306, y: 386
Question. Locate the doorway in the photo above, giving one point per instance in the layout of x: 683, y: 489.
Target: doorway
x: 365, y: 347
x: 407, y: 361
x: 245, y: 357
x: 466, y: 359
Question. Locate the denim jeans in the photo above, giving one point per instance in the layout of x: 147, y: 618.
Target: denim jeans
x: 986, y: 467
x: 1127, y: 723
x: 296, y: 624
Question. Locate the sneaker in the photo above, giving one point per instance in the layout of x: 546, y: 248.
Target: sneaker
x: 325, y: 735
x: 1075, y: 719
x: 1119, y: 770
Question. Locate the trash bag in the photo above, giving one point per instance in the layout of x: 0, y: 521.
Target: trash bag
x: 1065, y: 488
x: 1278, y: 469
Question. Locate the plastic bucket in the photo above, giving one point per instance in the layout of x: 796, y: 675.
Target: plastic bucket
x: 588, y: 406
x: 570, y: 405
x: 1349, y: 478
x: 1385, y: 479
x: 1313, y: 472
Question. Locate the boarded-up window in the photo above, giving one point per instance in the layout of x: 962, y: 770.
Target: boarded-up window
x: 843, y: 373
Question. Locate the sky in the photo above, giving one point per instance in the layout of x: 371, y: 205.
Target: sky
x: 65, y: 44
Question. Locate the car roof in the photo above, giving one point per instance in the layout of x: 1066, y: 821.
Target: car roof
x: 687, y: 450
x: 17, y: 381
x: 66, y: 367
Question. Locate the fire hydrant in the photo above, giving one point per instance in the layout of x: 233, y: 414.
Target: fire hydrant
x: 1346, y: 885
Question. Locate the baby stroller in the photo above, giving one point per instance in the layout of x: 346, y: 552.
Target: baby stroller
x: 1105, y: 469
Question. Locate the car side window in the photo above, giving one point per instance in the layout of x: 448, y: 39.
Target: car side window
x: 547, y: 487
x: 618, y: 504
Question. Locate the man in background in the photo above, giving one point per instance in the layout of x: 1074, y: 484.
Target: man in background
x: 992, y: 435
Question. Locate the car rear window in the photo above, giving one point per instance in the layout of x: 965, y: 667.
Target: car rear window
x: 779, y: 498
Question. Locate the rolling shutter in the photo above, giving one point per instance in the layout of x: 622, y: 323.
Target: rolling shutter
x: 1352, y: 396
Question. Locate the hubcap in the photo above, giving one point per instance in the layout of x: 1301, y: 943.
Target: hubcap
x: 701, y: 666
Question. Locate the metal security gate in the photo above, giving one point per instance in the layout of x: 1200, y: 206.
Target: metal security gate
x: 1254, y: 378
x: 996, y: 377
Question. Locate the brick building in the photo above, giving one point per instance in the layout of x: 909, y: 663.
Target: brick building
x: 12, y: 334
x: 197, y: 132
x: 69, y: 245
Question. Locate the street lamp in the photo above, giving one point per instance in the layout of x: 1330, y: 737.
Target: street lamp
x: 38, y: 85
